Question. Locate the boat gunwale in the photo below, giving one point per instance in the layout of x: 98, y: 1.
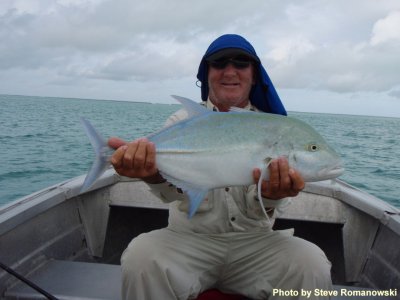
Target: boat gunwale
x: 25, y: 208
x: 21, y: 210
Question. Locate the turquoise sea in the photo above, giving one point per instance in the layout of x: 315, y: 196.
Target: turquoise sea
x: 42, y: 142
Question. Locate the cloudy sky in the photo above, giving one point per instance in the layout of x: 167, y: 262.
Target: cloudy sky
x: 338, y: 56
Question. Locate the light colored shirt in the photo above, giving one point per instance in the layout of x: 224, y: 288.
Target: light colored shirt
x: 230, y: 209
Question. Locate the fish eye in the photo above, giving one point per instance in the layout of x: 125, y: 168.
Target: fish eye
x: 313, y: 147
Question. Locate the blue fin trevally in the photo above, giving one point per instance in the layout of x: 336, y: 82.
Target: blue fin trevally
x: 212, y: 149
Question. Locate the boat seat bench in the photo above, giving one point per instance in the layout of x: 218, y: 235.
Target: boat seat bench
x: 69, y: 280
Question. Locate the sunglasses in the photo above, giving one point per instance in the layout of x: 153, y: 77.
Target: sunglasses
x: 239, y: 62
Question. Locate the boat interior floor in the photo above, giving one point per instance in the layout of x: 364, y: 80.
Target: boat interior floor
x: 83, y: 280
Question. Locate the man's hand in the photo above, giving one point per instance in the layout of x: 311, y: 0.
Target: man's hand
x: 136, y: 159
x: 283, y: 182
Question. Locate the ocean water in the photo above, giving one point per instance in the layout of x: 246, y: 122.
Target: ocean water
x: 42, y: 141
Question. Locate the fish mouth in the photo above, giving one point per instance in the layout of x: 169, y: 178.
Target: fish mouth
x: 333, y: 172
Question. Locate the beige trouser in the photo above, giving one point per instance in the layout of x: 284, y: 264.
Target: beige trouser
x: 165, y: 264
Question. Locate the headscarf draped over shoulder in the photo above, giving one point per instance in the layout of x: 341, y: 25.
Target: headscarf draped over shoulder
x: 263, y: 94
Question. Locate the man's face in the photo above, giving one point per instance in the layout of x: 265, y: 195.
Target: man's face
x: 230, y: 85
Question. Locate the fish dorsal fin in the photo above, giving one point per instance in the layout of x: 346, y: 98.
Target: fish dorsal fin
x: 193, y: 108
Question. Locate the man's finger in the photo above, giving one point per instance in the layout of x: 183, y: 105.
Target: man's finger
x: 116, y: 158
x: 140, y: 155
x: 298, y: 183
x: 256, y: 175
x: 274, y: 176
x: 115, y: 142
x: 128, y: 159
x: 285, y: 180
x: 150, y: 157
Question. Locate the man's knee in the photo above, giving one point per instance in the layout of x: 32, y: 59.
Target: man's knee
x: 141, y: 255
x: 309, y: 259
x: 148, y: 262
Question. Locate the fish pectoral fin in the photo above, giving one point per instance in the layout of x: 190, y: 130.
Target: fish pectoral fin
x: 196, y: 196
x: 195, y: 193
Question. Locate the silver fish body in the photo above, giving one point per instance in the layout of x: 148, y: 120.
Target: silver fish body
x: 215, y: 149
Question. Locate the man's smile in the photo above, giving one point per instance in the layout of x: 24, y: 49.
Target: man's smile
x: 230, y: 84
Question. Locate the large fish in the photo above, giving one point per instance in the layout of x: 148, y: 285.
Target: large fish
x: 217, y: 149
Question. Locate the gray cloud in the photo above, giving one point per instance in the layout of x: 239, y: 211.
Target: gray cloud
x: 395, y: 93
x: 309, y: 44
x: 343, y: 54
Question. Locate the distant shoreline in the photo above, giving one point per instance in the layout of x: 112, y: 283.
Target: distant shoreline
x: 177, y: 104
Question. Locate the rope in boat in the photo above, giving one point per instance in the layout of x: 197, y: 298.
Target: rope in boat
x: 27, y: 281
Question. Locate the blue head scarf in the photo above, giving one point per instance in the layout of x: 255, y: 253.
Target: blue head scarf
x: 263, y: 94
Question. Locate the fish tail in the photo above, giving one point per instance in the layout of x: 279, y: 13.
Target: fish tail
x: 101, y: 148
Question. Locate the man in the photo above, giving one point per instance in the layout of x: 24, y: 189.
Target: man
x: 228, y: 244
